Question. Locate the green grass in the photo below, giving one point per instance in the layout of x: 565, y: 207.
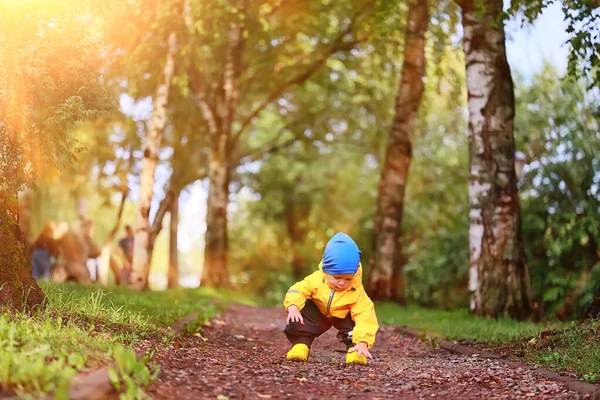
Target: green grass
x: 574, y: 349
x: 570, y: 347
x: 80, y: 329
x: 460, y: 325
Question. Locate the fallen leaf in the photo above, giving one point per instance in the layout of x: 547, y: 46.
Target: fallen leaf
x: 303, y: 379
x: 265, y: 396
x: 222, y: 397
x: 200, y: 336
x: 239, y: 336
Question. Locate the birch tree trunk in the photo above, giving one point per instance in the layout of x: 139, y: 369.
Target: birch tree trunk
x: 141, y: 260
x: 386, y: 266
x: 498, y: 275
x: 173, y: 274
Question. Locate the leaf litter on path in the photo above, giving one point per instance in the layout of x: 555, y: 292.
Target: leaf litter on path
x: 241, y: 355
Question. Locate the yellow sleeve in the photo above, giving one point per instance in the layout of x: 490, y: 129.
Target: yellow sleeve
x: 299, y: 292
x: 365, y: 320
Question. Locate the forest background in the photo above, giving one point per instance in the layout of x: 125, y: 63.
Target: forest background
x: 317, y: 88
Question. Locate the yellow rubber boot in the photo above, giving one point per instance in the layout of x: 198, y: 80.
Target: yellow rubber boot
x: 354, y: 358
x: 298, y: 352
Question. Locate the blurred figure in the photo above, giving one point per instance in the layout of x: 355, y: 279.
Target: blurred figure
x: 76, y: 247
x: 126, y: 250
x: 45, y: 249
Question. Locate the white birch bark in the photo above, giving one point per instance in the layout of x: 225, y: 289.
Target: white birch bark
x: 141, y: 259
x: 498, y: 275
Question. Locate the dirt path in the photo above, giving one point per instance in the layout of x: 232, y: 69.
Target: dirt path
x: 242, y: 356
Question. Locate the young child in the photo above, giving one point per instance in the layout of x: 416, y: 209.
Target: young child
x: 332, y: 296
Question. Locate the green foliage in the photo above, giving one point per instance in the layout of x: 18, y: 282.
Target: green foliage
x: 49, y: 80
x: 435, y: 221
x: 583, y: 22
x: 41, y: 353
x: 557, y: 128
x: 132, y: 375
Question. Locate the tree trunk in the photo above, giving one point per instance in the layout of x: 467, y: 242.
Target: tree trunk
x: 593, y: 310
x: 106, y: 263
x: 498, y: 274
x: 173, y: 276
x: 141, y: 260
x: 19, y: 289
x: 214, y: 272
x: 386, y: 266
x: 296, y: 216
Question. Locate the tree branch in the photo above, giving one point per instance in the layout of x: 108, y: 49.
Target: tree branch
x: 337, y: 45
x: 270, y: 147
x: 196, y: 85
x: 233, y: 61
x: 124, y: 194
x: 165, y: 205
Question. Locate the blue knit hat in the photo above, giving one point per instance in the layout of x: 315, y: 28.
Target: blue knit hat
x: 342, y: 255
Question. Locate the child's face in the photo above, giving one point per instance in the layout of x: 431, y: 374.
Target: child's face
x: 339, y: 282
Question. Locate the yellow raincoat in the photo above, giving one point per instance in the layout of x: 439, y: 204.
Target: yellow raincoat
x: 332, y: 303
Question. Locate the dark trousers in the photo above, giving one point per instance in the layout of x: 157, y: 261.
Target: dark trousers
x: 315, y: 324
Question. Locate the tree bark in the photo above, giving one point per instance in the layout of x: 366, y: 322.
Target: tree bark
x: 220, y: 118
x: 498, y: 274
x: 593, y: 311
x: 173, y: 275
x: 141, y: 259
x: 385, y: 280
x: 19, y: 290
x: 296, y: 214
x: 214, y: 272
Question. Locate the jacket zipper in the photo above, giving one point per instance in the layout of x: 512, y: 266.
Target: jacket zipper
x: 329, y: 302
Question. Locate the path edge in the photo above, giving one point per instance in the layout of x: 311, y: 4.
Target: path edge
x: 583, y: 388
x: 96, y: 385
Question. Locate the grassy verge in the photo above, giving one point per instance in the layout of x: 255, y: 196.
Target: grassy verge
x: 571, y: 347
x: 83, y: 327
x: 575, y: 349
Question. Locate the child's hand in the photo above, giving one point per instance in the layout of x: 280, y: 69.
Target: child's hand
x: 362, y: 348
x: 294, y: 315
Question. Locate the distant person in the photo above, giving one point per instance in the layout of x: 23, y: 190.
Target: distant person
x: 45, y: 249
x: 332, y: 296
x: 126, y: 248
